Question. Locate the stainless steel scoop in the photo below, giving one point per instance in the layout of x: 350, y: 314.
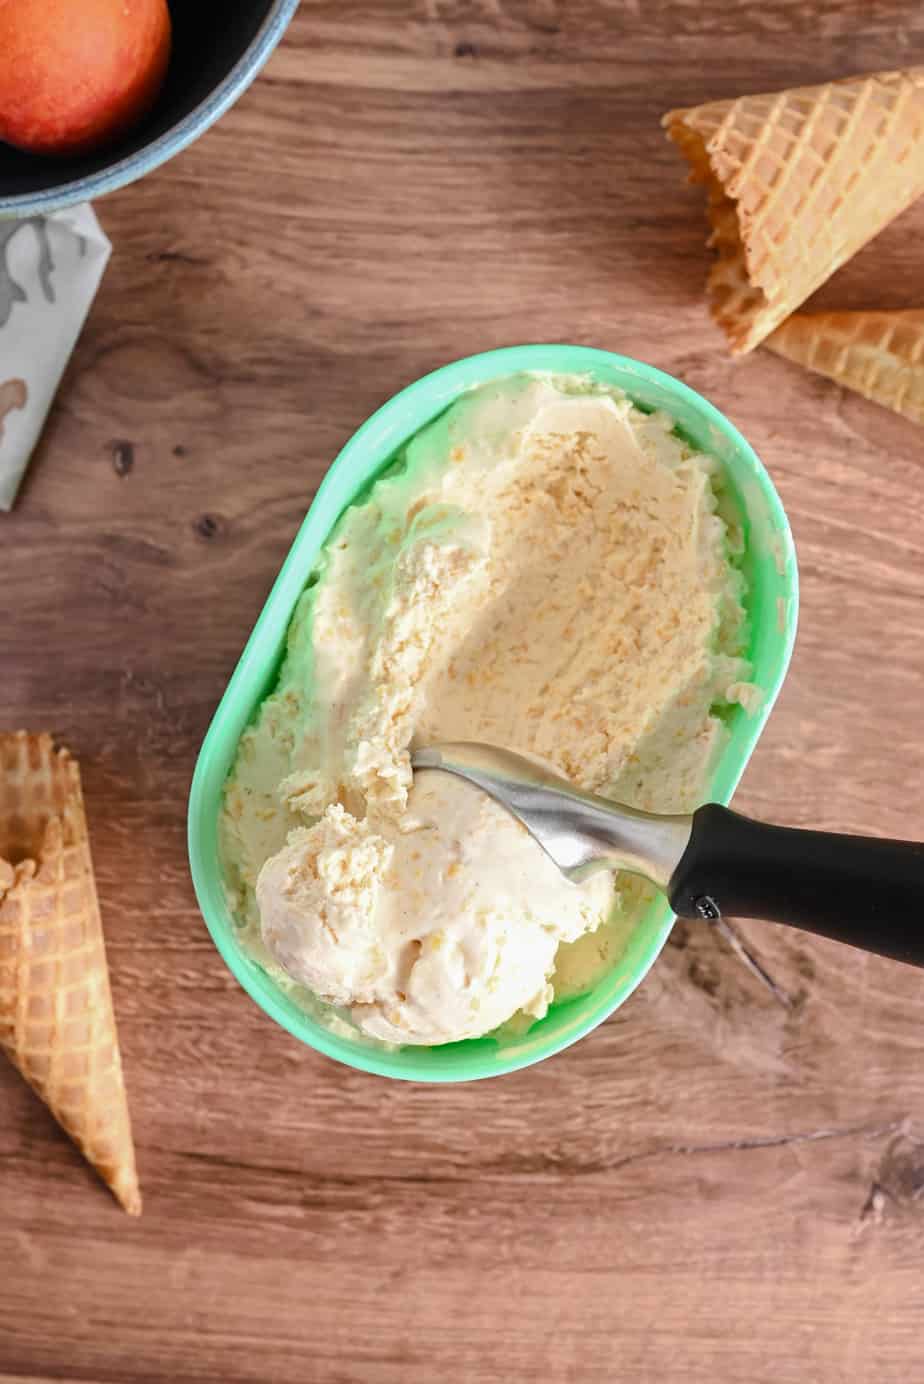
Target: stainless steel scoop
x: 861, y: 890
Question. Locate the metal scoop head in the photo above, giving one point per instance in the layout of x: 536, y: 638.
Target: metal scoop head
x: 580, y: 831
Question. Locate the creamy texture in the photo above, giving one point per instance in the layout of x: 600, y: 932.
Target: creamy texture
x: 438, y: 931
x: 545, y: 568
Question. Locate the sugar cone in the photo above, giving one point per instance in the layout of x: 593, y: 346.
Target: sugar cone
x: 879, y: 354
x: 797, y: 182
x: 56, y: 1020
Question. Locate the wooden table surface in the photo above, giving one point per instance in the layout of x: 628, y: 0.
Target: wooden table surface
x: 723, y: 1184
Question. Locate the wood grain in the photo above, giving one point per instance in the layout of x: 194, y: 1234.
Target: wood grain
x: 723, y: 1184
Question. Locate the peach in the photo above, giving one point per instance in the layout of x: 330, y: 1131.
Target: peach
x: 75, y: 74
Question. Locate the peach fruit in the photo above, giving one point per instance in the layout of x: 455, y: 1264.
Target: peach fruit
x: 76, y: 74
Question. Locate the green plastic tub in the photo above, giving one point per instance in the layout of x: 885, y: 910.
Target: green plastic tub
x: 772, y: 603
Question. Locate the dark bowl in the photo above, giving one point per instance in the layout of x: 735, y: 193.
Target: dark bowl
x: 218, y: 49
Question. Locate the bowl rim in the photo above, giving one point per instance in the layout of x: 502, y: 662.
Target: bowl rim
x: 436, y: 391
x: 173, y: 141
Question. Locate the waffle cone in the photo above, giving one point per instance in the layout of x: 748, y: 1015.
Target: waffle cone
x: 56, y: 1020
x: 797, y: 182
x: 879, y: 354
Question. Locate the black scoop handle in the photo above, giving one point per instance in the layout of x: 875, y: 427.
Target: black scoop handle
x: 856, y: 889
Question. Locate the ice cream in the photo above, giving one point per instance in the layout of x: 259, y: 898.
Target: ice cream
x: 544, y: 567
x: 437, y: 931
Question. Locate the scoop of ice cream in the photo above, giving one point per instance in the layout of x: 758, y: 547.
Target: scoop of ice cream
x: 436, y: 930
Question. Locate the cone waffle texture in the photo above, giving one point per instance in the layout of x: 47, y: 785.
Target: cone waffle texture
x: 879, y: 354
x: 56, y: 1019
x: 797, y: 182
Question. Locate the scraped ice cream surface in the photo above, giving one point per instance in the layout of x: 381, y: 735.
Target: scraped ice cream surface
x: 543, y: 567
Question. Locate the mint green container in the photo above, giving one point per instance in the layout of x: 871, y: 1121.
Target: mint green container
x: 772, y: 605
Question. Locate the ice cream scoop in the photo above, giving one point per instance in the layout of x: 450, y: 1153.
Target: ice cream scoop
x: 861, y: 890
